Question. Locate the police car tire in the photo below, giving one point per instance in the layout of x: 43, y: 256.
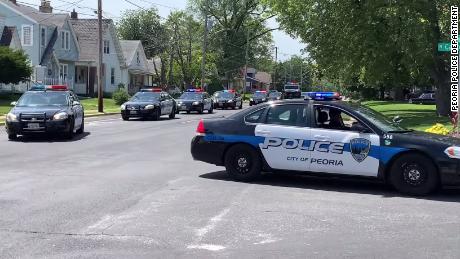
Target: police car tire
x: 125, y: 118
x: 241, y: 153
x: 200, y: 111
x: 211, y: 110
x: 423, y: 167
x: 12, y: 136
x: 81, y: 130
x: 156, y: 116
x: 70, y: 134
x: 173, y: 114
x: 241, y: 105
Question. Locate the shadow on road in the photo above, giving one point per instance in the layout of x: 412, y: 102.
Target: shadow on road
x: 47, y: 138
x: 336, y: 184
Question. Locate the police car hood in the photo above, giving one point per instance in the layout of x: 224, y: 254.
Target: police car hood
x: 49, y: 110
x: 188, y: 100
x: 141, y: 103
x: 223, y: 99
x: 425, y: 136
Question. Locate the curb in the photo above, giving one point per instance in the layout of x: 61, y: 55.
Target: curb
x: 86, y: 116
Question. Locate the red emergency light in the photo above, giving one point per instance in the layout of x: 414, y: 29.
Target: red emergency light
x: 57, y: 87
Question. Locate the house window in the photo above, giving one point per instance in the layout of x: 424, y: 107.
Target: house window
x: 27, y: 35
x: 112, y: 76
x: 138, y: 58
x: 106, y: 47
x: 65, y: 40
x: 63, y: 71
x: 43, y: 37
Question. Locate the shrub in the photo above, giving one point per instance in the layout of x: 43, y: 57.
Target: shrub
x: 438, y: 129
x: 120, y: 96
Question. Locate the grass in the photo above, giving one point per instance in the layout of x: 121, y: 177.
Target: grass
x: 415, y: 116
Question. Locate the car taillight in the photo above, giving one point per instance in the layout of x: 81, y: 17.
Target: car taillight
x: 200, y: 130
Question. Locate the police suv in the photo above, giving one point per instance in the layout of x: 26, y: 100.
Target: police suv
x: 327, y: 137
x: 46, y: 109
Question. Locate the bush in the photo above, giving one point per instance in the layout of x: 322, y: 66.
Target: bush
x: 438, y: 129
x: 120, y: 96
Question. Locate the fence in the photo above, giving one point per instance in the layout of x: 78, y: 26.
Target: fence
x: 25, y: 86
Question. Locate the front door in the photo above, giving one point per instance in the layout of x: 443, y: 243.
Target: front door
x: 91, y: 81
x: 339, y: 149
x: 286, y: 137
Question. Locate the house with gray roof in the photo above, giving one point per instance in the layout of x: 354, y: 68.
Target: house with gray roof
x: 137, y: 65
x: 114, y: 64
x: 47, y: 38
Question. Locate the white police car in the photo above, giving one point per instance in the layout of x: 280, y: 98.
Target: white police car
x: 327, y: 137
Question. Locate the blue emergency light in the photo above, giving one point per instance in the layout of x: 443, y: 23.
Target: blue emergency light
x: 324, y: 96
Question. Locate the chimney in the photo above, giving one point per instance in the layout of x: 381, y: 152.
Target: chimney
x: 45, y: 7
x: 74, y: 15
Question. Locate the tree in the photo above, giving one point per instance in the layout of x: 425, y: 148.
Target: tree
x: 146, y: 26
x: 14, y: 66
x: 237, y: 22
x: 380, y: 43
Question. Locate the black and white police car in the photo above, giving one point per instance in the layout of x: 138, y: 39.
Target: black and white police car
x: 46, y: 109
x: 195, y: 100
x: 331, y: 137
x: 151, y: 103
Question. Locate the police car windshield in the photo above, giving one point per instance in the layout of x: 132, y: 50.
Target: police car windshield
x: 191, y: 96
x: 48, y: 98
x: 259, y: 94
x: 145, y: 97
x: 379, y: 120
x: 225, y: 95
x: 275, y: 94
x: 291, y: 87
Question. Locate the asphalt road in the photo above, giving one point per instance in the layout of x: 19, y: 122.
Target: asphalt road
x: 132, y: 190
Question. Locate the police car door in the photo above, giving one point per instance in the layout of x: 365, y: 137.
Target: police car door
x: 286, y: 135
x: 341, y: 150
x: 77, y: 109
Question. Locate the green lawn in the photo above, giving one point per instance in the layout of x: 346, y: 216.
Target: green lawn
x: 415, y: 116
x: 90, y: 105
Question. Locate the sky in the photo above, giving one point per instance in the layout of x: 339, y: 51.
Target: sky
x: 287, y: 46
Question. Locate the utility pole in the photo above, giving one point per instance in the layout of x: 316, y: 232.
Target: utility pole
x: 274, y: 70
x: 205, y: 46
x: 100, y: 94
x: 246, y: 63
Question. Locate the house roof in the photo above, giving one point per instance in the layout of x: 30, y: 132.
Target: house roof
x: 49, y: 19
x: 129, y: 48
x: 87, y: 35
x: 263, y: 77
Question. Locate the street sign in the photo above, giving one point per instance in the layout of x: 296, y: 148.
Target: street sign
x: 444, y: 46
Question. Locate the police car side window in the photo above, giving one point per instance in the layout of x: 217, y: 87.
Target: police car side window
x: 254, y: 117
x: 288, y: 115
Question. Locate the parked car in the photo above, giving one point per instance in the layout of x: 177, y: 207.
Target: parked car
x: 425, y: 98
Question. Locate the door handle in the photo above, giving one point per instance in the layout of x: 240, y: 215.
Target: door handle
x: 263, y: 132
x: 322, y: 138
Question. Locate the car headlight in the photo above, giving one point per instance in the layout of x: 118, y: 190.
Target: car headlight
x: 123, y: 107
x: 60, y: 116
x: 196, y: 103
x: 149, y: 107
x: 278, y: 98
x: 251, y: 99
x: 10, y: 117
x: 263, y: 99
x: 230, y: 101
x: 453, y: 152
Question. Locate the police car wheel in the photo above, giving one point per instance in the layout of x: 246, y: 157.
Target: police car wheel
x: 201, y: 109
x: 81, y: 130
x: 12, y: 136
x: 173, y: 114
x: 243, y: 163
x: 70, y: 133
x: 414, y: 174
x: 125, y: 118
x: 211, y: 109
x: 156, y: 115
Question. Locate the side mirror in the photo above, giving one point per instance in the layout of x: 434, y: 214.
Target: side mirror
x: 397, y: 120
x: 75, y: 103
x: 358, y: 127
x: 13, y: 103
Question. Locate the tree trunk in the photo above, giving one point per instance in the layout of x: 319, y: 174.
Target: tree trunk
x: 382, y: 93
x: 399, y: 94
x: 163, y: 72
x: 171, y: 64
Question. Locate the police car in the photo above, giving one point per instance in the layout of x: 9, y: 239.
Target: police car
x: 228, y: 99
x: 258, y: 97
x: 149, y: 103
x: 195, y: 100
x: 327, y: 137
x: 46, y: 109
